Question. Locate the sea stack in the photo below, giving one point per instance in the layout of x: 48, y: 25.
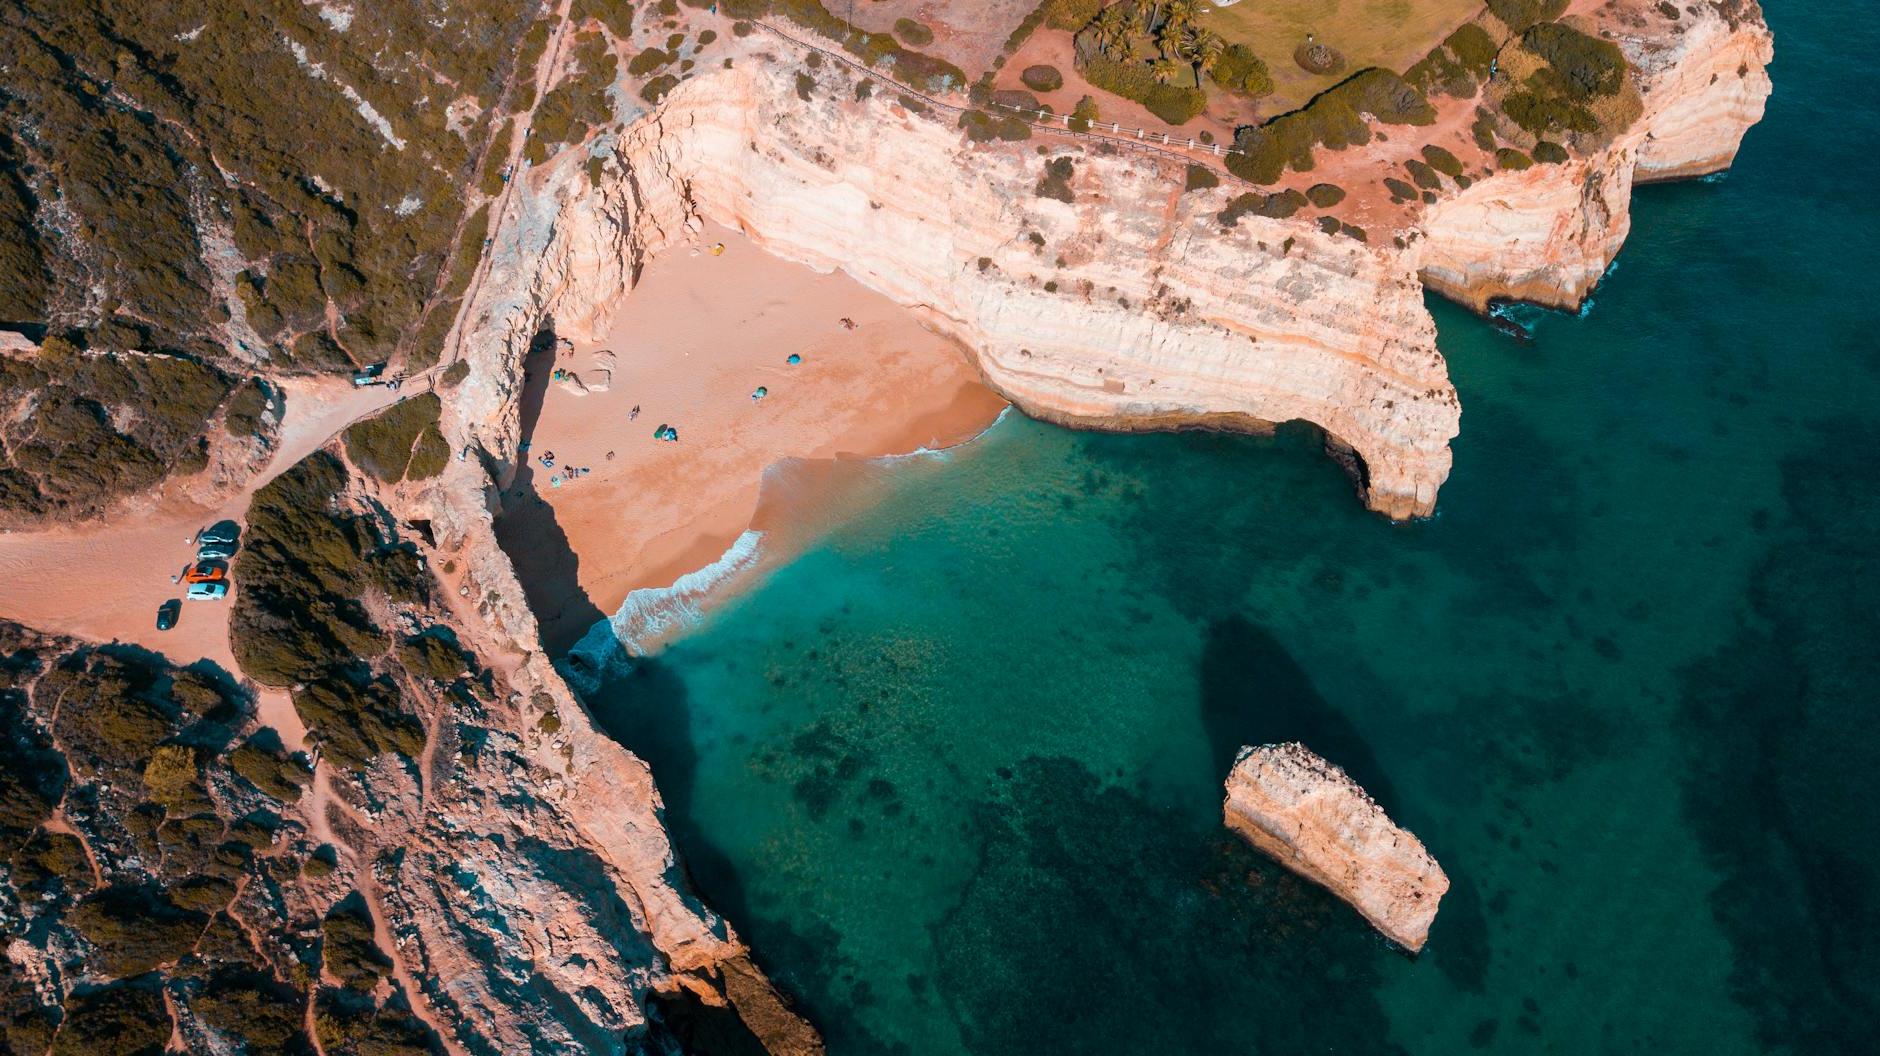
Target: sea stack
x: 1311, y: 817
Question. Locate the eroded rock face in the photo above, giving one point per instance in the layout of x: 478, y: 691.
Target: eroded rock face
x: 1547, y: 234
x: 1314, y: 819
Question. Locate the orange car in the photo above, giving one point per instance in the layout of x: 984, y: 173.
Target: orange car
x: 206, y: 572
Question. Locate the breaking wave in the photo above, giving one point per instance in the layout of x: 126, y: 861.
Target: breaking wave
x: 652, y: 615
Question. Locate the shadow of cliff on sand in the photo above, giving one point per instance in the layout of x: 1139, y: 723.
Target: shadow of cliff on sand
x: 528, y: 531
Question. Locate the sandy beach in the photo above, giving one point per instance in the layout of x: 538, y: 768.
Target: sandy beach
x: 691, y: 348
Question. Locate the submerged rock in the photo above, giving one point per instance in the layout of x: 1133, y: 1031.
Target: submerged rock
x: 1312, y: 818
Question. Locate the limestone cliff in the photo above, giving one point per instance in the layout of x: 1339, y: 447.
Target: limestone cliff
x: 1546, y: 234
x: 1313, y: 819
x: 1129, y: 306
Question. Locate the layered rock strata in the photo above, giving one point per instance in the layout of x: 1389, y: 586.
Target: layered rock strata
x: 1547, y: 234
x: 1312, y: 818
x: 1128, y: 307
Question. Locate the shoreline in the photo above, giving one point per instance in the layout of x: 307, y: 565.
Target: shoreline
x: 754, y: 363
x: 792, y: 515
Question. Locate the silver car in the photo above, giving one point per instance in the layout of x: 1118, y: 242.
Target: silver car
x: 213, y: 551
x: 207, y: 591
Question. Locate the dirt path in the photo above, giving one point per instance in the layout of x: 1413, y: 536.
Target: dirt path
x: 104, y: 581
x: 518, y: 142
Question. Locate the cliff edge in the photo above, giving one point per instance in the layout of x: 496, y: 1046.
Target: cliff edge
x: 1312, y: 818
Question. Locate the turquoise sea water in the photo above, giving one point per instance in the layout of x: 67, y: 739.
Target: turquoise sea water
x: 956, y: 772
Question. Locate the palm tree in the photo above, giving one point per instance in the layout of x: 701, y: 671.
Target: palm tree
x: 1165, y: 70
x: 1113, y: 32
x: 1206, y: 47
x: 1180, y: 12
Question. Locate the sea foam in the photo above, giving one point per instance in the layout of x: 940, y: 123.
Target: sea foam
x: 650, y: 616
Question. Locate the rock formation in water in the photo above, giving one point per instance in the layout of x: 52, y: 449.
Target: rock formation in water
x: 1312, y: 818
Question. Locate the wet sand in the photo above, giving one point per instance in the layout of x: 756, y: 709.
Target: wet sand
x: 690, y: 347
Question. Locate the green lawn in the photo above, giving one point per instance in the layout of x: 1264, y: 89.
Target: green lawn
x: 1389, y: 33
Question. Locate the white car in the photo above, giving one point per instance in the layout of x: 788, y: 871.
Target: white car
x: 207, y: 591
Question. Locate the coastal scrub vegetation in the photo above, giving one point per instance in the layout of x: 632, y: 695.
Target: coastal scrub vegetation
x: 80, y: 429
x: 151, y: 199
x: 1519, y: 15
x: 137, y: 890
x: 908, y: 65
x: 1564, y: 83
x: 402, y: 442
x: 301, y: 621
x: 1334, y: 120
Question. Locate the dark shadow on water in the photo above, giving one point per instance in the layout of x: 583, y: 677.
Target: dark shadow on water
x: 648, y: 711
x: 1253, y: 692
x: 528, y: 530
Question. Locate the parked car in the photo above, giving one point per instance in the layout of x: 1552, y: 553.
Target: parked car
x: 215, y: 551
x: 206, y: 572
x: 368, y: 375
x: 220, y: 532
x: 212, y: 591
x: 168, y: 612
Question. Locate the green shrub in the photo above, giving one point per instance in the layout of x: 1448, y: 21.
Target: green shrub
x: 1277, y: 206
x: 134, y: 929
x: 1070, y: 14
x: 454, y: 374
x: 1457, y: 66
x: 1423, y: 175
x: 383, y: 444
x: 1560, y: 96
x: 127, y: 1020
x: 434, y: 656
x: 1241, y: 71
x: 1443, y: 161
x: 655, y: 90
x: 913, y: 32
x: 647, y: 61
x: 272, y: 771
x: 1512, y: 160
x: 1548, y: 153
x: 49, y: 857
x: 242, y: 417
x: 1200, y: 178
x: 982, y: 127
x: 348, y: 948
x: 805, y: 85
x: 1483, y: 130
x: 1084, y: 114
x: 1042, y: 78
x: 1399, y: 190
x: 1325, y: 195
x: 1174, y: 104
x: 1333, y: 120
x: 172, y: 779
x: 1518, y: 15
x: 252, y: 1007
x: 1056, y: 181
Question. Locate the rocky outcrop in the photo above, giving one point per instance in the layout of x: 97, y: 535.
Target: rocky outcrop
x: 1313, y: 819
x: 1128, y: 307
x: 1547, y: 234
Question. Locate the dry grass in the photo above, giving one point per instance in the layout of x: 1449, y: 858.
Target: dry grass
x: 1394, y: 34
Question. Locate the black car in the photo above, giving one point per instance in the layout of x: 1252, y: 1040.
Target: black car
x: 168, y: 612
